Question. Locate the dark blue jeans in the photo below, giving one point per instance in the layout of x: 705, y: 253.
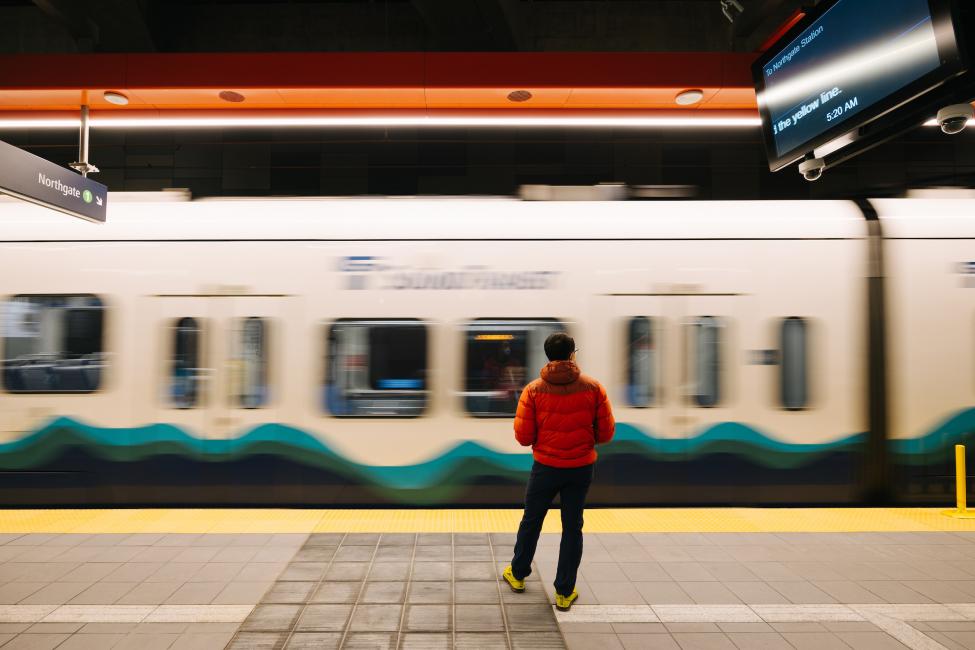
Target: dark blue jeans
x: 571, y: 484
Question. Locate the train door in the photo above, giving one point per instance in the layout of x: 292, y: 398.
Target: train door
x: 184, y: 386
x: 672, y: 360
x: 222, y: 362
x: 626, y: 355
x: 704, y: 347
x: 250, y: 367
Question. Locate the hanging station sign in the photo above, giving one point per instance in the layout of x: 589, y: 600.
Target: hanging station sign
x: 31, y: 178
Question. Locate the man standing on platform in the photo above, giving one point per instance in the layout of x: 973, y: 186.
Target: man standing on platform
x: 562, y: 415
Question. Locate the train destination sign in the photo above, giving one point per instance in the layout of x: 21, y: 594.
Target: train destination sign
x: 848, y: 63
x: 40, y: 181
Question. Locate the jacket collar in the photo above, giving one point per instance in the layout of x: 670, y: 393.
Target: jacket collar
x: 560, y: 372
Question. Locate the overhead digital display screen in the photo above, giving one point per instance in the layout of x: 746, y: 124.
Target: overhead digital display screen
x: 846, y: 65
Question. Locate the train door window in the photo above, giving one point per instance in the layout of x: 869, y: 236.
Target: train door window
x: 53, y: 344
x: 704, y: 361
x: 186, y: 375
x: 503, y: 356
x: 249, y: 364
x: 794, y: 369
x: 377, y: 368
x: 641, y: 384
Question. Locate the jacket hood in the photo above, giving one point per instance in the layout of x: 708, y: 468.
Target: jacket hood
x: 560, y: 372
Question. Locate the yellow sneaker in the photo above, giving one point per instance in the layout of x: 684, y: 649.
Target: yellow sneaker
x: 563, y: 603
x: 517, y: 586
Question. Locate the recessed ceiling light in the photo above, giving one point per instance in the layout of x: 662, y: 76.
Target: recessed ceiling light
x: 689, y: 97
x: 114, y: 97
x: 519, y: 96
x: 231, y: 96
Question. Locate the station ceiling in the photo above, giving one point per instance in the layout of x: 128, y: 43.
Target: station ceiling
x: 572, y: 55
x: 385, y: 54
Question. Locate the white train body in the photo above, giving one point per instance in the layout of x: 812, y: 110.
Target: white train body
x: 728, y: 273
x: 930, y: 269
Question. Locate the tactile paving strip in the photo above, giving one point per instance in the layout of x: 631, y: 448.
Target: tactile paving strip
x: 401, y: 590
x: 598, y: 520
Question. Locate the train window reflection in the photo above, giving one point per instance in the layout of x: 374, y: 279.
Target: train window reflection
x: 186, y: 375
x: 503, y: 356
x: 53, y: 344
x: 249, y: 387
x: 704, y: 361
x: 794, y: 382
x: 377, y: 368
x: 641, y: 385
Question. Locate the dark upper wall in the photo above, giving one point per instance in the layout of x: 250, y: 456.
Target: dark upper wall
x: 722, y: 165
x: 61, y: 26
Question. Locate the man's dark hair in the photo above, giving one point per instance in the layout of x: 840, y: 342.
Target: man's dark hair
x: 559, y: 346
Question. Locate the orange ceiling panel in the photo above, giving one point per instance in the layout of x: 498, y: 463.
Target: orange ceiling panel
x: 192, y: 98
x: 635, y: 98
x: 352, y: 98
x: 48, y: 99
x: 731, y: 98
x: 495, y: 98
x: 588, y: 81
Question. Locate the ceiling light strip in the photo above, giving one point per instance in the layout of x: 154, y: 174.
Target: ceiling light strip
x: 702, y: 121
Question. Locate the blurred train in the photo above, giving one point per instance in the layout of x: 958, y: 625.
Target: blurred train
x: 371, y: 351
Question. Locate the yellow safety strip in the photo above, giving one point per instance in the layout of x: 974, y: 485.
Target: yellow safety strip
x: 598, y: 520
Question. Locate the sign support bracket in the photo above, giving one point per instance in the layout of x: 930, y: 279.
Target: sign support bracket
x: 83, y: 166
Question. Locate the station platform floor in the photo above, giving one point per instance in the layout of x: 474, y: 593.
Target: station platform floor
x: 733, y: 578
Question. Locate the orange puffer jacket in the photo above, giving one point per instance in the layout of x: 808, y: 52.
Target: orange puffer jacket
x: 563, y: 415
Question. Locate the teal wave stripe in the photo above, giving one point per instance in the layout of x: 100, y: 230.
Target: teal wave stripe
x: 735, y: 433
x: 448, y: 473
x: 131, y: 444
x: 935, y: 446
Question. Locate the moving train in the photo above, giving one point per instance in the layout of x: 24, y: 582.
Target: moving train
x: 371, y: 351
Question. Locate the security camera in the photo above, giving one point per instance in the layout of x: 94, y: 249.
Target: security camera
x: 953, y: 119
x: 812, y: 169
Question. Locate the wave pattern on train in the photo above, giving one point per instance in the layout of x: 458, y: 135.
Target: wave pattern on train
x: 372, y: 351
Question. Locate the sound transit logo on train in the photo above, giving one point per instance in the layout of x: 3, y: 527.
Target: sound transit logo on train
x: 369, y: 272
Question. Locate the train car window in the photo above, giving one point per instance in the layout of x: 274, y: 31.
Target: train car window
x: 794, y: 369
x: 377, y: 368
x: 53, y: 344
x: 641, y: 384
x: 704, y: 361
x: 249, y: 385
x: 503, y: 356
x: 186, y: 375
